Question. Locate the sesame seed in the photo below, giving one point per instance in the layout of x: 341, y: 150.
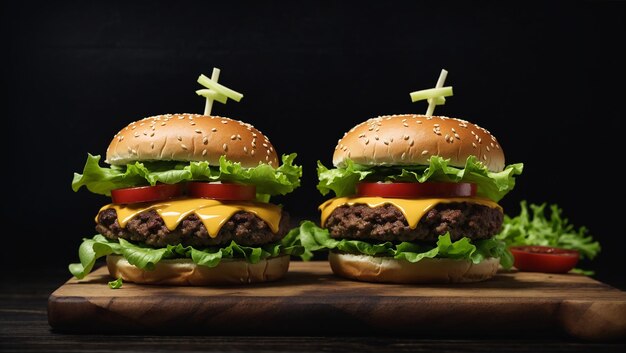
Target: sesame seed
x: 429, y: 118
x: 418, y: 121
x: 472, y: 132
x: 179, y: 138
x: 134, y: 151
x: 120, y: 138
x: 412, y: 143
x: 183, y: 146
x: 447, y: 137
x: 151, y: 145
x: 367, y: 141
x: 225, y: 147
x: 480, y: 140
x: 204, y: 152
x: 224, y: 122
x: 181, y: 117
x: 232, y: 137
x: 491, y: 143
x: 376, y: 137
x: 405, y: 137
x: 252, y: 153
x: 245, y: 149
x: 145, y: 133
x: 271, y: 149
x: 198, y: 131
x: 476, y: 136
x: 238, y: 137
x: 136, y: 134
x: 403, y: 155
x: 268, y: 152
x: 265, y: 145
x: 253, y: 134
x: 163, y: 124
x: 405, y: 124
x: 497, y: 146
x: 361, y: 135
x: 205, y: 140
x: 386, y: 142
x: 192, y: 123
x: 404, y: 120
x: 214, y: 129
x: 371, y: 128
x: 474, y: 145
x: 484, y: 156
x: 457, y: 136
x: 267, y: 158
x: 488, y: 150
x: 453, y: 130
x: 436, y: 125
x: 152, y: 134
x: 424, y: 152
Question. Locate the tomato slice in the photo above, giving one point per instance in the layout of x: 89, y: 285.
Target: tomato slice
x: 221, y: 191
x: 544, y: 259
x: 416, y: 190
x: 146, y: 193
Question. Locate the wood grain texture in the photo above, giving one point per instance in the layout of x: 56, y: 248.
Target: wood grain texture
x: 311, y: 301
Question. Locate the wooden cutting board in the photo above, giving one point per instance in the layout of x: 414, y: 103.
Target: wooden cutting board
x: 311, y: 301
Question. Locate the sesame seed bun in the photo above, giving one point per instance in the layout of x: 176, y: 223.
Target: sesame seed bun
x: 411, y: 139
x: 389, y: 270
x: 191, y: 137
x: 184, y: 272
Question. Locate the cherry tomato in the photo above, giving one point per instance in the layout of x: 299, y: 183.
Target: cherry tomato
x: 544, y: 259
x: 416, y: 190
x: 221, y: 191
x: 146, y: 193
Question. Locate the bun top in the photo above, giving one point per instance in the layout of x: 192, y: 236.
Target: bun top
x: 411, y: 139
x: 191, y: 137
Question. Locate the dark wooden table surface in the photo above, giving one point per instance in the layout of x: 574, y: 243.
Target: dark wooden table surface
x: 24, y: 328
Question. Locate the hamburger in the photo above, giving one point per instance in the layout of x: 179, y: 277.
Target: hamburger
x: 190, y: 203
x: 415, y: 201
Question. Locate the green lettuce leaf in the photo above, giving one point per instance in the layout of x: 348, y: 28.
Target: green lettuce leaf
x: 491, y: 185
x: 535, y: 228
x: 314, y: 238
x: 146, y: 257
x: 269, y: 181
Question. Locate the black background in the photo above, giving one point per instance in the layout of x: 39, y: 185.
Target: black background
x: 546, y: 78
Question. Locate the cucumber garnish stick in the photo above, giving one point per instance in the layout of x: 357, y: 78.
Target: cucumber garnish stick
x: 434, y: 96
x: 214, y: 91
x: 209, y: 83
x: 432, y: 93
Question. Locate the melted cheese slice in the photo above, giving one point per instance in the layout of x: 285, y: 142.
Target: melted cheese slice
x: 413, y: 209
x: 213, y: 213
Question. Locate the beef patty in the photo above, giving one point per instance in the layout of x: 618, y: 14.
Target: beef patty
x: 387, y: 222
x: 147, y: 227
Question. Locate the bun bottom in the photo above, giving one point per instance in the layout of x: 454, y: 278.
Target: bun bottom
x: 389, y: 270
x: 183, y: 272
